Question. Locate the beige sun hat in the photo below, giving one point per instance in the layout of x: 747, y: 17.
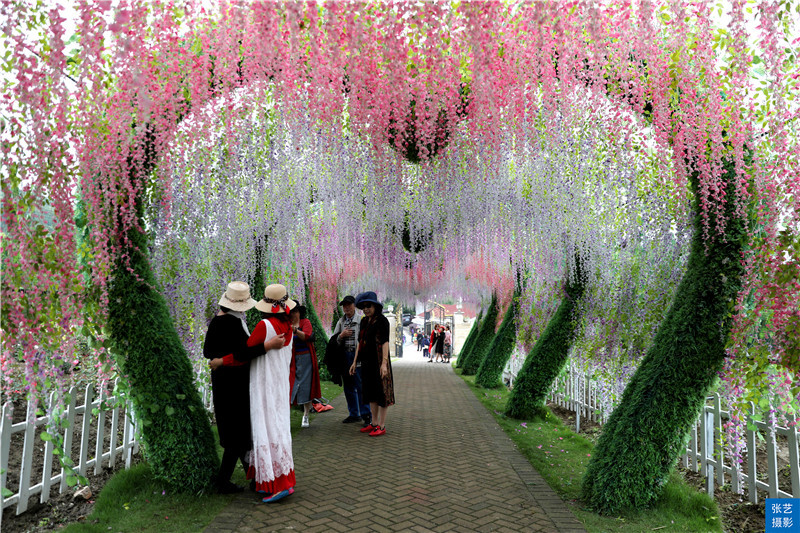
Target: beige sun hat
x: 275, y: 300
x: 237, y: 297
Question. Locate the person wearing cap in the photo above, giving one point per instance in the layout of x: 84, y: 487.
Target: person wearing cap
x: 347, y: 329
x: 376, y: 368
x: 304, y: 373
x: 272, y: 464
x: 227, y: 336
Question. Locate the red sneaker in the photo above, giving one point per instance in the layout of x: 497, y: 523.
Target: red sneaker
x: 377, y: 432
x: 369, y: 428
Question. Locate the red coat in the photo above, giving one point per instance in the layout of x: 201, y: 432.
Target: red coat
x: 316, y: 388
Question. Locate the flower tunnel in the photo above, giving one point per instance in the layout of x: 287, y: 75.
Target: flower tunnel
x: 610, y: 155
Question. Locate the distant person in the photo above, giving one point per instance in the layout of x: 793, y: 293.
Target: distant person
x: 438, y: 345
x: 376, y: 368
x: 448, y: 344
x: 425, y: 343
x: 347, y: 329
x: 419, y: 336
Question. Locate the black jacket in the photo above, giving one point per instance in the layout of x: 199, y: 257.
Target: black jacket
x: 335, y: 360
x: 230, y: 385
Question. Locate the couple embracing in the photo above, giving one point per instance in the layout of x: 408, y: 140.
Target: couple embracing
x: 251, y: 387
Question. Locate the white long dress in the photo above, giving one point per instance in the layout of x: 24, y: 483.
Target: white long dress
x: 269, y: 417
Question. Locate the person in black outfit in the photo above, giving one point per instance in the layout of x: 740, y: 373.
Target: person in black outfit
x: 230, y: 384
x: 376, y: 368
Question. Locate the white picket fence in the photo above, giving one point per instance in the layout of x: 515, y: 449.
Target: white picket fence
x: 107, y: 451
x: 578, y: 393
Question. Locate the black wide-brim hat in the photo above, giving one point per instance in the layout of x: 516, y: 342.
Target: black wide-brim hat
x: 368, y: 297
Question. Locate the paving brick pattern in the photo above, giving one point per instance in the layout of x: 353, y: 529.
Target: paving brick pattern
x: 444, y: 465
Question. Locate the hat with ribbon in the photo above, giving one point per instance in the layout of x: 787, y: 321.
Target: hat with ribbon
x: 237, y: 297
x: 276, y: 300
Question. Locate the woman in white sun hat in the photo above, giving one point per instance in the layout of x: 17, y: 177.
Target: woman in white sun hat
x: 227, y: 337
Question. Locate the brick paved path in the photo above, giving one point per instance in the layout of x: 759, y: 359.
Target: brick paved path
x: 443, y: 465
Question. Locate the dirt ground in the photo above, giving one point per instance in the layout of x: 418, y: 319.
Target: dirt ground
x: 59, y: 510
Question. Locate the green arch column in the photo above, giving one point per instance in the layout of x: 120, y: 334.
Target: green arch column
x: 647, y: 433
x: 496, y: 357
x: 548, y: 356
x: 482, y: 341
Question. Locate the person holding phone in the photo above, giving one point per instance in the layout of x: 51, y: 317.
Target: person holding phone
x: 347, y: 329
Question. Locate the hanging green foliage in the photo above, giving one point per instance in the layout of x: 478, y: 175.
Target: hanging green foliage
x: 257, y: 285
x: 470, y: 340
x: 496, y: 357
x: 320, y: 337
x: 548, y: 356
x: 337, y: 314
x: 483, y: 340
x: 648, y: 431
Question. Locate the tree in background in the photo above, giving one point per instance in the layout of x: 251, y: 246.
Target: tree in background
x: 483, y: 340
x: 320, y: 336
x: 470, y: 340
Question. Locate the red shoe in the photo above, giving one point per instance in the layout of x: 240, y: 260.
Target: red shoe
x: 369, y: 428
x: 377, y: 432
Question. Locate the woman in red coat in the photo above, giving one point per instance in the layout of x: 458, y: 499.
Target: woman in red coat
x: 304, y: 373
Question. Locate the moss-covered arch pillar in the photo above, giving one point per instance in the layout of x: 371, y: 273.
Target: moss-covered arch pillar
x: 648, y: 431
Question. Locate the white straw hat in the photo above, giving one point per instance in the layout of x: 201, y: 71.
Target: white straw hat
x: 237, y: 297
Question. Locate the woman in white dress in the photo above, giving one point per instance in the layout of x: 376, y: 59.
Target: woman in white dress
x: 272, y: 464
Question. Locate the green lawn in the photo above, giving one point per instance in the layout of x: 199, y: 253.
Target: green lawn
x: 560, y: 455
x: 133, y: 501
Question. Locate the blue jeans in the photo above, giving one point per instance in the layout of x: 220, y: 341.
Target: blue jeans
x: 352, y: 390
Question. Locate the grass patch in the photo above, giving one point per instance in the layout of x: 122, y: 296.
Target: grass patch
x: 133, y: 501
x: 561, y: 456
